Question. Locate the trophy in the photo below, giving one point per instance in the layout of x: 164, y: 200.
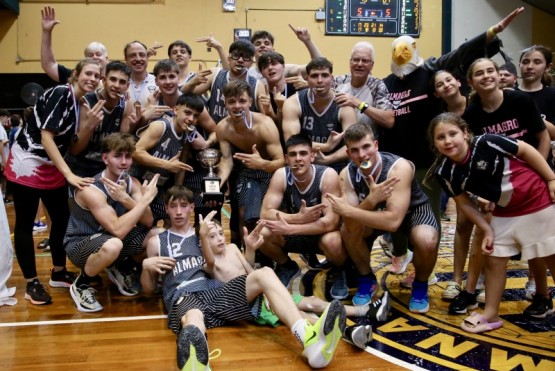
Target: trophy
x: 210, y: 158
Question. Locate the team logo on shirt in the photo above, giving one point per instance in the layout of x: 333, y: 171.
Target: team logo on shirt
x: 482, y: 165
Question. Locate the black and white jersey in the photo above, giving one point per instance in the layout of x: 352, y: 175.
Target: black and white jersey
x: 312, y: 195
x: 389, y: 160
x: 188, y: 275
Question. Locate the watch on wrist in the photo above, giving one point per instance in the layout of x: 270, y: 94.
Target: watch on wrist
x: 363, y: 107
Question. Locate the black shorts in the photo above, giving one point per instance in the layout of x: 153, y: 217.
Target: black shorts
x: 221, y: 305
x: 78, y: 249
x: 302, y: 244
x: 420, y: 215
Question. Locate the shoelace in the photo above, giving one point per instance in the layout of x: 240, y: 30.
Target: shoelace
x: 214, y: 354
x: 129, y: 281
x: 88, y: 295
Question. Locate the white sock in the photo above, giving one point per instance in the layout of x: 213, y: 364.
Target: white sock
x: 299, y: 330
x: 360, y: 311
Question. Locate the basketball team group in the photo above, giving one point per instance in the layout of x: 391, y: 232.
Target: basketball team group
x: 133, y: 169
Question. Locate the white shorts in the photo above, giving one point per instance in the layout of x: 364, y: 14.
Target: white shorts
x: 533, y: 235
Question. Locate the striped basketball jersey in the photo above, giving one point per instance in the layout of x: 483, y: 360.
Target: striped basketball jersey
x: 188, y: 275
x: 89, y: 161
x: 312, y: 195
x: 216, y: 103
x: 168, y: 146
x: 357, y: 181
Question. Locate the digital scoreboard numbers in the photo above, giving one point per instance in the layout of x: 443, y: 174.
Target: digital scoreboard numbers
x: 390, y: 18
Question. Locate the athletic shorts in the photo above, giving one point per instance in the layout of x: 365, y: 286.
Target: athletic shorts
x: 250, y: 189
x: 302, y: 244
x: 79, y: 249
x: 532, y: 234
x: 420, y: 215
x: 220, y: 305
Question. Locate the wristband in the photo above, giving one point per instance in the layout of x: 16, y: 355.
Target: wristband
x: 491, y: 30
x: 361, y: 105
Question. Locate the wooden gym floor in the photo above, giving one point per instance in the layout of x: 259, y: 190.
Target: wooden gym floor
x: 131, y: 333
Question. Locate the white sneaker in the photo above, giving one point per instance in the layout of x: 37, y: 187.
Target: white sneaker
x: 387, y: 246
x: 530, y: 289
x: 452, y: 290
x: 481, y: 298
x: 321, y: 339
x: 399, y: 263
x: 84, y: 298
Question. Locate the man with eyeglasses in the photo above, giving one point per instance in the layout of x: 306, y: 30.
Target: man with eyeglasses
x: 240, y: 59
x: 367, y: 94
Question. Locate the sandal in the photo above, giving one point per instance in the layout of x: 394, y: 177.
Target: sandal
x: 44, y: 245
x: 476, y: 324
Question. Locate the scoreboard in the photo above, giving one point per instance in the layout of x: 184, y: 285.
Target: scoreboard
x: 388, y: 18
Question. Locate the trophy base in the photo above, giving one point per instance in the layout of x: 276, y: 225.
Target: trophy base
x: 210, y: 201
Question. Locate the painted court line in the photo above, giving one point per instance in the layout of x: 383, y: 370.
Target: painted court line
x: 391, y: 359
x: 87, y: 320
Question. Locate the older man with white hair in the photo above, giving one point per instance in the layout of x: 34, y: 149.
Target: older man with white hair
x: 53, y: 69
x: 364, y: 92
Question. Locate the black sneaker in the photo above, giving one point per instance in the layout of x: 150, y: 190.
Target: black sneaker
x: 463, y: 303
x: 192, y: 349
x: 339, y: 289
x: 312, y: 262
x: 36, y: 293
x: 125, y: 282
x: 379, y: 309
x: 359, y: 335
x: 541, y: 307
x: 287, y: 272
x: 63, y: 278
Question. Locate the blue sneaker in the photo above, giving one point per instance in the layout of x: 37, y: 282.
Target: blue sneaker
x: 367, y: 288
x: 419, y: 297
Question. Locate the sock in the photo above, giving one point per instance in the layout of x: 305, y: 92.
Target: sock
x: 361, y: 311
x: 299, y: 330
x: 83, y: 279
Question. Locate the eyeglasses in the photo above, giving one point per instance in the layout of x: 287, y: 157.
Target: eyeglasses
x: 235, y: 56
x: 361, y: 60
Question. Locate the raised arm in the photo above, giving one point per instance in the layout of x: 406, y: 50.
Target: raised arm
x: 211, y: 42
x: 304, y: 36
x: 47, y: 60
x: 201, y: 82
x: 205, y: 226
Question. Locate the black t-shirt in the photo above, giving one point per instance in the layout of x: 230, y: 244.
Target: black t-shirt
x: 64, y: 74
x: 518, y: 117
x: 545, y: 100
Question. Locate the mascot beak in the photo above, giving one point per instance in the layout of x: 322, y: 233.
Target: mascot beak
x: 402, y: 53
